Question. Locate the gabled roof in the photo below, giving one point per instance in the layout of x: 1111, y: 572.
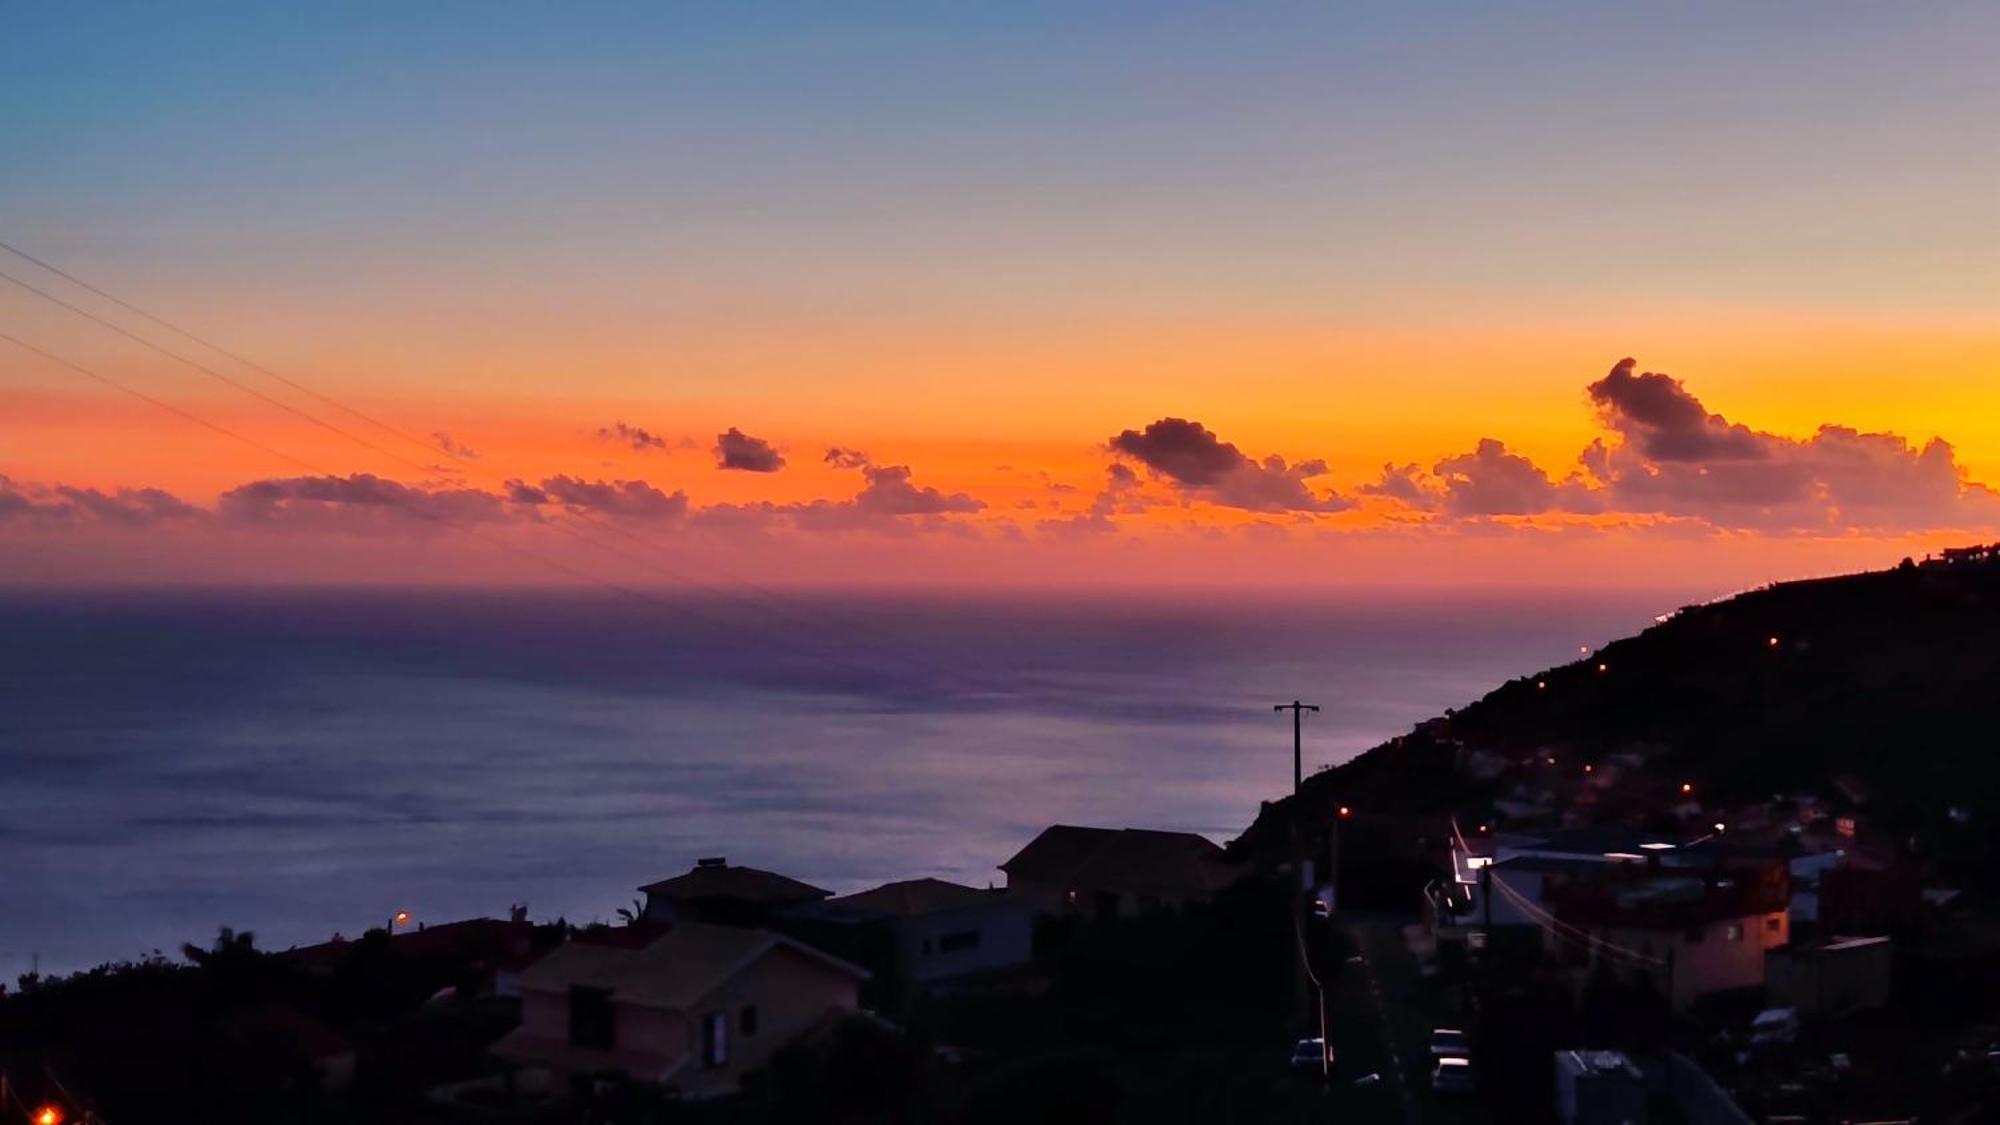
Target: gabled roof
x: 912, y: 897
x: 747, y: 884
x: 1139, y: 859
x: 672, y: 971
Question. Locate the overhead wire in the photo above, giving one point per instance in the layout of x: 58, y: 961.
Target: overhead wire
x: 841, y: 636
x: 472, y: 463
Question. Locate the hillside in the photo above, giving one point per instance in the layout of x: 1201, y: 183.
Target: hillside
x: 1891, y: 678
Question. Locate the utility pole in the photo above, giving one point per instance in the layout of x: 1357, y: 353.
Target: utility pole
x: 1297, y: 709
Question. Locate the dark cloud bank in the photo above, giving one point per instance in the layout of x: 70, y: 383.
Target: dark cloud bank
x: 1663, y: 456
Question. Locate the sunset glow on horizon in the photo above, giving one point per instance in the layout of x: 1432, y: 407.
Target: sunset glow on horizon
x: 1015, y: 296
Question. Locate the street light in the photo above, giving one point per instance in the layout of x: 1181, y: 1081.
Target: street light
x: 399, y: 918
x: 48, y: 1115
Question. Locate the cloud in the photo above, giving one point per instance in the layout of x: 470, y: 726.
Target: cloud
x: 1490, y: 481
x: 735, y: 449
x: 1670, y: 455
x: 64, y: 505
x: 1659, y: 418
x: 887, y: 502
x: 626, y: 498
x: 884, y: 500
x: 1406, y: 485
x: 1118, y: 497
x: 360, y: 502
x: 1191, y: 456
x: 454, y: 447
x: 634, y: 438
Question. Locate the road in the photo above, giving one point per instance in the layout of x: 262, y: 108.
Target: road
x: 1381, y: 1009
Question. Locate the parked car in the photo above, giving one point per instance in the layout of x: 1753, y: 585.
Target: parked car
x: 1311, y: 1056
x: 1774, y: 1027
x: 1449, y: 1042
x: 1452, y: 1075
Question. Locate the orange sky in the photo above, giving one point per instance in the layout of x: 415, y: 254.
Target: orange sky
x: 980, y: 248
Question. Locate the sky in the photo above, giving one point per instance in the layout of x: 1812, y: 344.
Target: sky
x: 996, y: 294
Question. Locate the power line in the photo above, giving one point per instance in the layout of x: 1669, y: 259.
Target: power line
x: 770, y: 601
x: 392, y: 498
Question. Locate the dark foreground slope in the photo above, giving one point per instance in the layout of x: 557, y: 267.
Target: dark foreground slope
x: 1890, y: 679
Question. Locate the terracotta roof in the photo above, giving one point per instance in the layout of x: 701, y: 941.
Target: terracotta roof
x: 745, y: 883
x: 1139, y: 859
x: 912, y: 897
x: 673, y: 971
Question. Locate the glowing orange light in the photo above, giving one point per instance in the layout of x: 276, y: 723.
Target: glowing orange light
x: 402, y: 916
x: 1541, y: 685
x: 1687, y: 787
x: 1772, y: 642
x: 1720, y: 827
x: 1345, y: 811
x: 1584, y: 649
x: 49, y: 1115
x: 1552, y: 759
x: 1588, y: 768
x: 1604, y: 667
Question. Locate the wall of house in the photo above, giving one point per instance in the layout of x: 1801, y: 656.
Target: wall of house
x: 1059, y: 898
x: 931, y: 947
x: 793, y: 993
x: 652, y: 1039
x: 1717, y: 962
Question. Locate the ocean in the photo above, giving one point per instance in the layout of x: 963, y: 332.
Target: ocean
x: 301, y: 763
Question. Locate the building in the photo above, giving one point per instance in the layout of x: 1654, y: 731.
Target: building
x: 713, y: 891
x: 1835, y: 977
x: 1695, y: 930
x: 939, y: 931
x: 1112, y: 872
x: 1599, y: 1088
x: 480, y: 954
x: 690, y: 1006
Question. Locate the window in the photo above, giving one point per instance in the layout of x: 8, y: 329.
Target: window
x: 746, y: 1021
x: 715, y: 1039
x: 1773, y: 924
x: 591, y: 1023
x: 963, y: 939
x: 1735, y: 931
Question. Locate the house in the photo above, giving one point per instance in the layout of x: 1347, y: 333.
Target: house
x: 1834, y: 977
x: 689, y: 1005
x: 940, y: 931
x: 714, y: 891
x: 1599, y: 1088
x: 481, y: 955
x: 1110, y: 872
x: 1695, y: 930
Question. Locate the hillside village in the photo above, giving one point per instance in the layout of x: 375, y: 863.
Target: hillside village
x: 1456, y: 927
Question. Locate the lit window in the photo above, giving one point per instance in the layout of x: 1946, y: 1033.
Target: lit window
x: 1735, y: 931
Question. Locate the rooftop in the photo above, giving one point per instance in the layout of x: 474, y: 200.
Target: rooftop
x: 674, y: 970
x: 1136, y: 858
x: 912, y: 897
x: 717, y: 879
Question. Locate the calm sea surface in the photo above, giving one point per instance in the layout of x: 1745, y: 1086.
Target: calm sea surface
x: 303, y: 763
